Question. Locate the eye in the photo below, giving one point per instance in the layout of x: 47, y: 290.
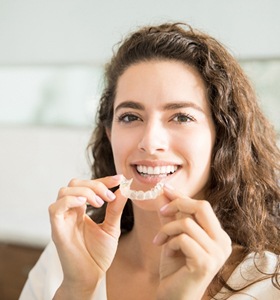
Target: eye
x: 128, y: 118
x: 182, y: 118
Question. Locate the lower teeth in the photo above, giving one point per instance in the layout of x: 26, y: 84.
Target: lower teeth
x: 155, y: 175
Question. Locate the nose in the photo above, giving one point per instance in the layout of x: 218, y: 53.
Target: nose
x: 154, y: 138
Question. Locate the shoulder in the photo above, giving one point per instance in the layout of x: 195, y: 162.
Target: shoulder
x: 253, y: 278
x: 255, y: 264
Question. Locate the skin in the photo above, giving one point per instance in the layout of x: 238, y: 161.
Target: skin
x: 161, y: 117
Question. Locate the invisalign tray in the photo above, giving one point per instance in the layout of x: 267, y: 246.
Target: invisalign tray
x: 140, y: 195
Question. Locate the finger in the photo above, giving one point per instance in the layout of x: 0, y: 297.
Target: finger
x: 68, y: 203
x: 111, y: 181
x: 184, y: 226
x: 85, y: 192
x: 113, y: 215
x: 68, y: 211
x: 186, y: 245
x: 201, y: 210
x: 162, y: 201
x: 189, y: 227
x: 196, y: 258
x: 108, y: 181
x: 99, y: 186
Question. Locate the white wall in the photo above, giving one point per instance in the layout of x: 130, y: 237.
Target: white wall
x: 36, y: 161
x: 76, y: 31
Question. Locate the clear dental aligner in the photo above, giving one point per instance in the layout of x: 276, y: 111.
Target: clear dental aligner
x: 140, y: 195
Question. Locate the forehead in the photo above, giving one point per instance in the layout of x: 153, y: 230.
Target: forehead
x: 161, y: 81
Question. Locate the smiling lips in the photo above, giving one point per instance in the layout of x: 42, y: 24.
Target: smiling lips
x: 161, y: 171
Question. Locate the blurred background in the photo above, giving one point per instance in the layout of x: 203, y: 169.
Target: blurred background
x: 52, y: 55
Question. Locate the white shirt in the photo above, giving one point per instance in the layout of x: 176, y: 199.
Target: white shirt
x: 46, y: 276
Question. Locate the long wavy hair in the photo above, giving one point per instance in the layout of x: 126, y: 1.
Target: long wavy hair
x: 243, y: 187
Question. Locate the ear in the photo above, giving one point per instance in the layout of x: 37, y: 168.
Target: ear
x: 108, y: 133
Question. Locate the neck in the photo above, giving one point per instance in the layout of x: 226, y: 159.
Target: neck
x: 138, y: 244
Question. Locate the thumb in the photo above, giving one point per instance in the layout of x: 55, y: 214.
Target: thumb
x: 162, y: 201
x: 114, y: 210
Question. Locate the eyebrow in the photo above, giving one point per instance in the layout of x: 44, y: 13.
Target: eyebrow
x: 130, y: 104
x: 182, y: 104
x: 166, y: 107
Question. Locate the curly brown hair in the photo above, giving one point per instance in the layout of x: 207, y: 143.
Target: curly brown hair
x: 243, y: 187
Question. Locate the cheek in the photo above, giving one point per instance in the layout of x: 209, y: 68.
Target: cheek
x: 198, y: 143
x: 204, y: 157
x: 197, y: 149
x: 205, y: 141
x: 121, y: 146
x: 117, y: 154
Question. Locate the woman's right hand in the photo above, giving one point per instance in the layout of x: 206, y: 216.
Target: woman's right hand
x: 85, y: 249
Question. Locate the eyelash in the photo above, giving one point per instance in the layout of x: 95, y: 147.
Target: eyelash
x: 124, y: 116
x: 130, y: 117
x: 187, y: 118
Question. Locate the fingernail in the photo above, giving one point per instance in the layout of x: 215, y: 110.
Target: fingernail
x: 169, y: 252
x: 164, y: 208
x: 169, y: 187
x: 98, y: 200
x: 110, y: 195
x: 117, y: 177
x: 82, y: 199
x: 160, y: 238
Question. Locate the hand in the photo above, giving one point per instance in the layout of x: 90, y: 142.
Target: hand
x: 86, y: 249
x: 195, y: 247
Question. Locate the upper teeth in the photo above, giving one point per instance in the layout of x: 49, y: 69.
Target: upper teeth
x: 156, y: 170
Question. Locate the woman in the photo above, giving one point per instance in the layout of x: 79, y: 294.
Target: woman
x: 176, y: 109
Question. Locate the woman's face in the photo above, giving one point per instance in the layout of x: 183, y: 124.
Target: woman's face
x: 162, y: 127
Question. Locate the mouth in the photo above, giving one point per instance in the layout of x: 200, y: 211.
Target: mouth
x: 157, y: 171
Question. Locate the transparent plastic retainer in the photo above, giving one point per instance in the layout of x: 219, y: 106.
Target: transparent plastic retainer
x: 140, y: 195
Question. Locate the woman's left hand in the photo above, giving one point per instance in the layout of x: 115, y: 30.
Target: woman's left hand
x: 195, y: 247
